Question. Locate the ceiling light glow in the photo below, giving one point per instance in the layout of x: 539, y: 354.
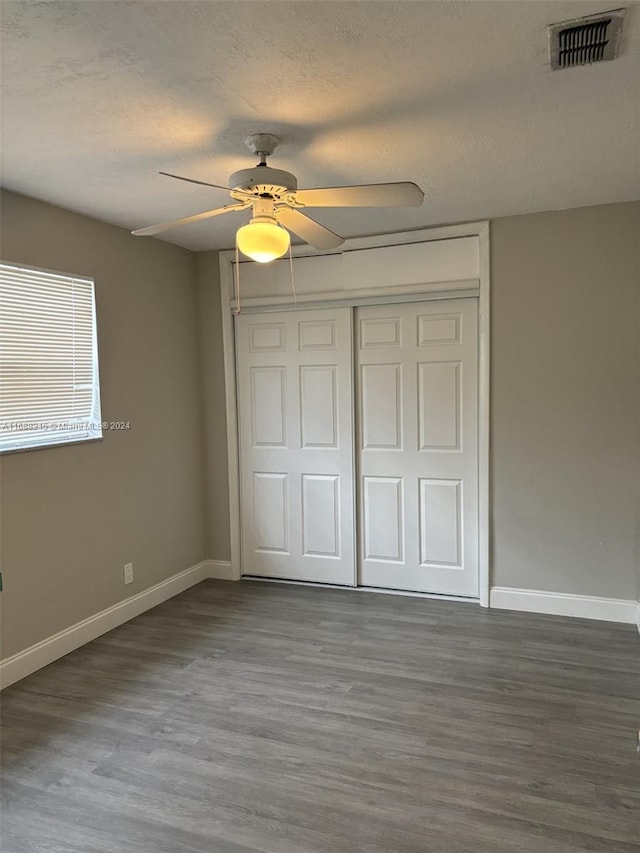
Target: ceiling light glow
x: 263, y: 240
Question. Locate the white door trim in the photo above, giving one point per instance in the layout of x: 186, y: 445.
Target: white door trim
x: 472, y: 229
x: 360, y: 296
x: 484, y: 416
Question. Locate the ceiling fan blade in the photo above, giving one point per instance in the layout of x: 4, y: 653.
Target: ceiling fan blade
x: 197, y: 217
x: 405, y: 194
x: 202, y: 183
x: 310, y: 231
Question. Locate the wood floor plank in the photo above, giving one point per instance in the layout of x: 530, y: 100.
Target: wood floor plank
x: 264, y: 718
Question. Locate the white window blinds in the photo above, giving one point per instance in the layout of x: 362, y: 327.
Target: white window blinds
x: 49, y: 389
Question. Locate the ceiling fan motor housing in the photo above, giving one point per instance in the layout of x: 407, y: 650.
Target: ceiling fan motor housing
x: 263, y: 180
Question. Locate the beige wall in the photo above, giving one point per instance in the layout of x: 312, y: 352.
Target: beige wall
x: 71, y: 516
x: 565, y: 398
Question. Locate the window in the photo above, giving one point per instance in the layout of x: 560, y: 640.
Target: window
x: 49, y: 389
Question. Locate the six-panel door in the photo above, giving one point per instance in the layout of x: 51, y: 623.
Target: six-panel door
x: 417, y: 380
x: 416, y: 436
x: 296, y: 445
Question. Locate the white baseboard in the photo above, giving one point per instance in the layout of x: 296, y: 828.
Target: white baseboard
x: 563, y: 604
x: 45, y: 652
x: 221, y: 570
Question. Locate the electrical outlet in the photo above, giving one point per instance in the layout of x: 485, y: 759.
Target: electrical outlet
x: 128, y: 572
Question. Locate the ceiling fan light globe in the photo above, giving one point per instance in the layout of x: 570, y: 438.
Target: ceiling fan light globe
x: 263, y: 240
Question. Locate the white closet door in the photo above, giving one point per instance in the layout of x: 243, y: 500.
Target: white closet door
x: 296, y: 445
x: 418, y: 446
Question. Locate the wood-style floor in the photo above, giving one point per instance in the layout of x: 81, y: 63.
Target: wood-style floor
x: 250, y: 717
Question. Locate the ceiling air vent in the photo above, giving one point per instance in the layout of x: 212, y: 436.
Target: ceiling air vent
x: 583, y: 41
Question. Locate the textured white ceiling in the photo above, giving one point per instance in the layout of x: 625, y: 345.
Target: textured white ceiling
x: 457, y: 96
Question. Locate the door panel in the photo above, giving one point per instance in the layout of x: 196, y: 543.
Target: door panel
x: 268, y: 415
x: 270, y: 512
x: 417, y: 378
x: 381, y: 408
x: 439, y: 405
x: 319, y: 406
x: 383, y: 518
x: 440, y: 517
x: 296, y: 445
x: 321, y: 515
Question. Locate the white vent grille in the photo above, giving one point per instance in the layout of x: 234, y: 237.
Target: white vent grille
x: 584, y: 41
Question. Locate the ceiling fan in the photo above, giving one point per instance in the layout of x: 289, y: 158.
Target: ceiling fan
x: 277, y: 205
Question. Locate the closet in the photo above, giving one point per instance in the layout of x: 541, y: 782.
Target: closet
x: 358, y: 426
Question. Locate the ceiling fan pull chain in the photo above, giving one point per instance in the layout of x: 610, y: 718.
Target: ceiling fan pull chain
x: 293, y: 281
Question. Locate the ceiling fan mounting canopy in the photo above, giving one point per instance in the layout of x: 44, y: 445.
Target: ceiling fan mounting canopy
x: 263, y: 187
x: 262, y: 144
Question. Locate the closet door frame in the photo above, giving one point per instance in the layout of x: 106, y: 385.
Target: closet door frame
x: 443, y: 284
